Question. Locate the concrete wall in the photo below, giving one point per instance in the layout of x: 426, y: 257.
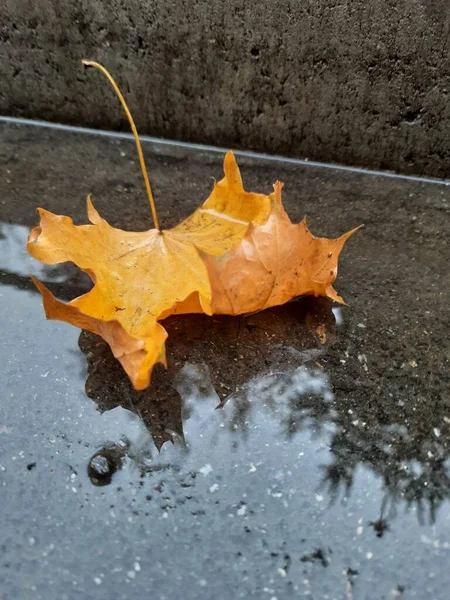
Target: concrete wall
x: 360, y: 82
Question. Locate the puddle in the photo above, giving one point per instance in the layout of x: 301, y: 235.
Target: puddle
x: 299, y: 452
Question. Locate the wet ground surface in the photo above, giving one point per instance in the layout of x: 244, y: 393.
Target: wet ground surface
x: 299, y: 452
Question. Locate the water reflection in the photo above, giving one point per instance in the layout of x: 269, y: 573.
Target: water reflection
x: 221, y: 358
x: 292, y: 366
x: 403, y: 445
x: 273, y: 365
x: 17, y: 265
x: 16, y: 260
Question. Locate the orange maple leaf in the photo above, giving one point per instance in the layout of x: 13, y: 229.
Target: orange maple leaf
x: 237, y: 253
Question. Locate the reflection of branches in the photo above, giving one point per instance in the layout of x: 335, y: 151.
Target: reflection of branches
x: 411, y: 461
x: 257, y: 363
x: 295, y: 398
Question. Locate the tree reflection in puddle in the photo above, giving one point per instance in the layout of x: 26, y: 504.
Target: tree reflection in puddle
x: 225, y: 360
x: 398, y: 425
x: 271, y: 365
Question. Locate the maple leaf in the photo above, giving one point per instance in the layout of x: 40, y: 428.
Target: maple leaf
x: 142, y: 277
x: 275, y: 262
x: 237, y: 253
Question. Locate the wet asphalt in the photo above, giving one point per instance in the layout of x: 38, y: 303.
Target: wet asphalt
x: 299, y: 452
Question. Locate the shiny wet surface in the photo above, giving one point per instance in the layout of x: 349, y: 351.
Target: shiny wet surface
x: 299, y: 452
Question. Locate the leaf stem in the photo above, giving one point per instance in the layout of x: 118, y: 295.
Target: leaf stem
x: 91, y: 63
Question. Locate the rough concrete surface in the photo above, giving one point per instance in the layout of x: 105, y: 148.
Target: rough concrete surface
x: 354, y: 82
